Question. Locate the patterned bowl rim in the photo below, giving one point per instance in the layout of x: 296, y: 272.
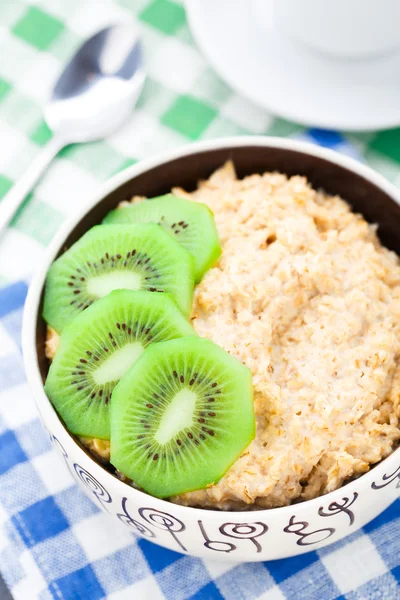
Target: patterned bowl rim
x: 32, y: 304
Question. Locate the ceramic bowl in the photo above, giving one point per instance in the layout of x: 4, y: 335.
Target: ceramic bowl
x: 234, y: 536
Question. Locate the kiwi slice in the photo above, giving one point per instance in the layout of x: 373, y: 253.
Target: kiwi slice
x: 190, y: 223
x: 99, y: 346
x: 181, y: 416
x: 106, y: 258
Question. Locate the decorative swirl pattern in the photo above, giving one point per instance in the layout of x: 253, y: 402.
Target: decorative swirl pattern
x: 97, y: 489
x: 139, y: 528
x: 245, y: 531
x: 63, y: 451
x: 215, y: 545
x: 388, y: 479
x: 57, y: 442
x: 336, y: 507
x: 299, y: 527
x: 165, y: 522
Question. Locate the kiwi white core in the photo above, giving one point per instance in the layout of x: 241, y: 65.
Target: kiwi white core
x: 116, y: 365
x: 177, y: 416
x: 103, y: 284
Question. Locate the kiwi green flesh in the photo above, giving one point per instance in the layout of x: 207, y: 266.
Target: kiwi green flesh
x: 99, y: 346
x: 181, y: 416
x: 190, y: 223
x: 106, y: 258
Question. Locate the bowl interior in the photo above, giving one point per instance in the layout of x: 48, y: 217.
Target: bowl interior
x: 363, y: 195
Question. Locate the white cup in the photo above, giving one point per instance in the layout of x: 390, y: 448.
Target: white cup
x: 340, y: 28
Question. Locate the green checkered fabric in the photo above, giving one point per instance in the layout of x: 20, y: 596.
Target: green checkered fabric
x: 183, y: 100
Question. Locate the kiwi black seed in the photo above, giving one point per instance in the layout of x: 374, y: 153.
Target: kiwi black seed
x: 136, y: 257
x: 181, y: 416
x: 99, y: 346
x: 190, y: 223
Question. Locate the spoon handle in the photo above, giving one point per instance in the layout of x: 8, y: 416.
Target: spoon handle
x: 14, y: 198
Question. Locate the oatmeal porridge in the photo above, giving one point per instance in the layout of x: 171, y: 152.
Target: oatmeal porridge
x: 306, y: 297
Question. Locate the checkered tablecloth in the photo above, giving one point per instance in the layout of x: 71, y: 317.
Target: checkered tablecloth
x: 54, y: 542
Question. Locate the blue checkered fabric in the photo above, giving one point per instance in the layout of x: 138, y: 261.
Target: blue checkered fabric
x: 56, y: 544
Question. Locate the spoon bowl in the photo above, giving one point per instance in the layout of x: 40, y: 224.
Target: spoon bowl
x: 95, y: 93
x: 93, y: 96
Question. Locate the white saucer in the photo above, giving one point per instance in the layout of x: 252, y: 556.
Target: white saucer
x: 289, y: 80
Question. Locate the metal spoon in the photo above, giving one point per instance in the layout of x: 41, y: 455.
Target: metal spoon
x: 93, y: 96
